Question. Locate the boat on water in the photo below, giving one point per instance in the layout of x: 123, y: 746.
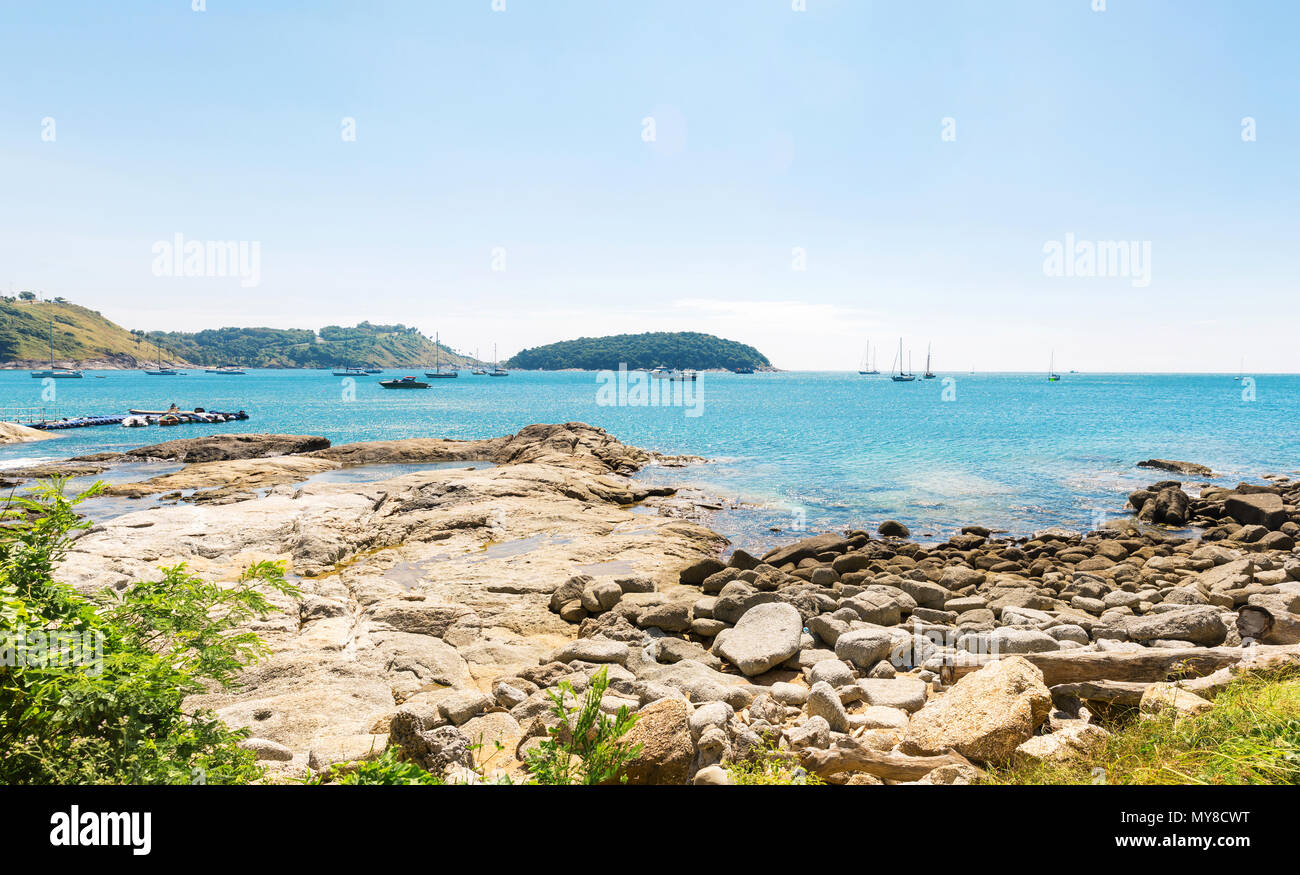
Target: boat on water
x: 868, y: 363
x: 497, y: 370
x: 686, y: 376
x: 162, y: 370
x: 56, y: 373
x: 929, y: 374
x: 902, y: 376
x: 227, y: 370
x: 478, y: 372
x: 135, y: 422
x: 373, y: 371
x: 1052, y: 375
x: 403, y: 383
x: 742, y: 370
x: 350, y: 372
x: 438, y: 373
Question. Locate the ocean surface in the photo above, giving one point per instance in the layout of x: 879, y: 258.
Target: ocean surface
x: 795, y: 452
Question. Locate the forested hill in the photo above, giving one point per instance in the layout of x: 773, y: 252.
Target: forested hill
x: 659, y: 349
x: 84, y: 338
x: 334, y: 345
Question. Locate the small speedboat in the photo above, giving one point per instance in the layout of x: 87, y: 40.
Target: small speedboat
x: 169, y: 419
x: 135, y: 422
x: 403, y: 383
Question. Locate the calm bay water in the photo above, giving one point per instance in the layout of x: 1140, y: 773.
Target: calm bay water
x: 800, y: 450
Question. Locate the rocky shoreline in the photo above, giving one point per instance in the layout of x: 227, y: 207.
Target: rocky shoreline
x: 441, y: 609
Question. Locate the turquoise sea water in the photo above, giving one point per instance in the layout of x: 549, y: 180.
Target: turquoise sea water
x: 801, y: 451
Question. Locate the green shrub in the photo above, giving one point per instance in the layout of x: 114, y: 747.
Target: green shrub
x: 585, y: 748
x: 113, y: 712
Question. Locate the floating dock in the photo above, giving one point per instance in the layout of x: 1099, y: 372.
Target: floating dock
x: 210, y: 417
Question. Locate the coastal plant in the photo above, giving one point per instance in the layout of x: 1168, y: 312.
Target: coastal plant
x: 115, y: 713
x: 389, y: 769
x: 585, y: 746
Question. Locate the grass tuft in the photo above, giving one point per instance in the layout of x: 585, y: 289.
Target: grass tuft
x: 1251, y: 737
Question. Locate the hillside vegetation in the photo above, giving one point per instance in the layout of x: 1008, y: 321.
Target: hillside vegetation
x: 666, y: 349
x: 80, y: 335
x: 84, y: 338
x: 365, y: 344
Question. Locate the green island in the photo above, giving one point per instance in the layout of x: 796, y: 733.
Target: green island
x: 656, y: 349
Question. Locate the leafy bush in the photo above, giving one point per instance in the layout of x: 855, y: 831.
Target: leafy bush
x: 109, y: 709
x: 585, y: 747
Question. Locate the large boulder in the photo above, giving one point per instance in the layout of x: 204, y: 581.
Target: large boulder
x: 864, y: 647
x: 1170, y: 506
x: 805, y: 549
x: 1074, y: 740
x: 1199, y: 624
x: 985, y: 716
x: 909, y: 694
x: 766, y: 636
x: 695, y: 573
x: 702, y: 683
x: 1257, y: 509
x: 663, y: 730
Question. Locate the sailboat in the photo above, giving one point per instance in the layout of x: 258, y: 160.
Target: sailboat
x: 438, y: 373
x: 902, y: 376
x: 929, y: 374
x: 56, y: 373
x: 162, y: 370
x: 497, y: 370
x: 868, y: 366
x: 1052, y: 375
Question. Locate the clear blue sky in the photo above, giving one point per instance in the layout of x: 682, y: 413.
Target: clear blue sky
x: 776, y: 129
